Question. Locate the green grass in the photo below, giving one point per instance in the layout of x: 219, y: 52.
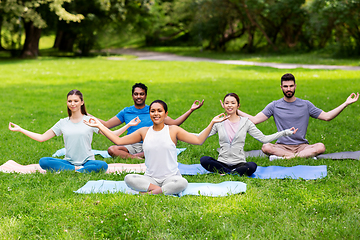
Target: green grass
x: 43, y: 206
x: 325, y: 58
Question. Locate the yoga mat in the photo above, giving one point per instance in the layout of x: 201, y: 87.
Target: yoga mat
x: 12, y: 166
x: 103, y: 153
x: 192, y: 169
x: 340, y: 155
x: 271, y: 172
x: 204, y: 189
x: 124, y: 167
x: 251, y: 153
x: 295, y: 172
x: 305, y: 172
x: 255, y: 153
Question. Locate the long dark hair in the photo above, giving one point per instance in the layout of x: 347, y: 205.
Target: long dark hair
x: 78, y: 93
x: 162, y: 104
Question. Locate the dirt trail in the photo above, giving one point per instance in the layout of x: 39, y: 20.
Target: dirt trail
x: 158, y: 56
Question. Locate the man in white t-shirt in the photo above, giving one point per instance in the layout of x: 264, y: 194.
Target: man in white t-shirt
x: 294, y: 112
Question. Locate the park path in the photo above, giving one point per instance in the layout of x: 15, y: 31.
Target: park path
x: 159, y: 56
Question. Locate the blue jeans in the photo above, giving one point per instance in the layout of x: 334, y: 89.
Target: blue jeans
x: 55, y: 164
x: 214, y: 165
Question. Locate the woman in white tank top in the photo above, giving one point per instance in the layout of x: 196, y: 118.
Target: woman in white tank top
x: 162, y: 174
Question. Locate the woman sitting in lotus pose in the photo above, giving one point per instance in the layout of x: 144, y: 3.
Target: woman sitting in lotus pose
x: 77, y: 138
x: 159, y: 143
x: 232, y: 134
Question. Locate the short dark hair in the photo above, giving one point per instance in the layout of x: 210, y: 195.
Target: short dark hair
x: 139, y: 85
x: 77, y: 93
x: 162, y: 103
x: 287, y: 77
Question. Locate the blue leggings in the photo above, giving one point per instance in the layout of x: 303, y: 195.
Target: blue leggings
x: 214, y: 165
x: 55, y: 164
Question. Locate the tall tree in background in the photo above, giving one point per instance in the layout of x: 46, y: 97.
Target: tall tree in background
x: 31, y: 12
x: 336, y: 22
x: 98, y: 15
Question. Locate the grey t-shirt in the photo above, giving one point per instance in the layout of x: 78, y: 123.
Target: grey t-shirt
x: 77, y: 139
x: 292, y: 114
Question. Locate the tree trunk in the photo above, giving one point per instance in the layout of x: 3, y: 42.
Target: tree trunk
x: 58, y: 38
x: 67, y: 41
x: 32, y: 37
x: 255, y: 23
x: 1, y: 21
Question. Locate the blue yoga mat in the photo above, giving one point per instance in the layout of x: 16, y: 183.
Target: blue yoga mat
x: 295, y: 172
x: 271, y: 172
x: 103, y: 153
x: 204, y: 189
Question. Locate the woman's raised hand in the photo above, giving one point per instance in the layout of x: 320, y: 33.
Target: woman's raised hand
x: 197, y: 104
x: 13, y: 127
x: 219, y: 118
x: 93, y: 122
x: 294, y: 130
x: 134, y: 122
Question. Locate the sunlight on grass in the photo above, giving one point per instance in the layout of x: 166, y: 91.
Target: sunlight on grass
x: 9, y: 227
x: 46, y: 42
x: 34, y: 96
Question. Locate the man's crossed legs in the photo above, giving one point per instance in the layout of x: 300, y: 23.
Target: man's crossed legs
x: 127, y: 151
x: 280, y: 151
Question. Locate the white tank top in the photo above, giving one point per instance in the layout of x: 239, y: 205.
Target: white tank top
x: 160, y: 154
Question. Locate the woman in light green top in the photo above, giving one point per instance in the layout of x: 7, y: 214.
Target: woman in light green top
x: 77, y: 138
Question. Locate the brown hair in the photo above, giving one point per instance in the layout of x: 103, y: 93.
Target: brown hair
x: 287, y: 77
x: 78, y: 93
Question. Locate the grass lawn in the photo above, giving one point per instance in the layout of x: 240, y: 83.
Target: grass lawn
x: 43, y: 206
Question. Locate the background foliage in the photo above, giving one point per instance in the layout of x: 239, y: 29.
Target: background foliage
x: 222, y: 25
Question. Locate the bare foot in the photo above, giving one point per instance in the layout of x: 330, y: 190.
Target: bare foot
x: 139, y: 155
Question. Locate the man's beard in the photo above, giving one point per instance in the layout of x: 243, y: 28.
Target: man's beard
x: 287, y: 95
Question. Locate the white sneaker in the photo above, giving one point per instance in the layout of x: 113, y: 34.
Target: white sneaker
x: 274, y: 157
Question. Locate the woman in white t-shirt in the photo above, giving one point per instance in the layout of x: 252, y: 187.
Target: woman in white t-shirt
x: 77, y: 138
x: 159, y: 143
x: 232, y: 134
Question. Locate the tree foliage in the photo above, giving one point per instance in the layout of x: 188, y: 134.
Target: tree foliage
x: 277, y: 24
x: 213, y: 24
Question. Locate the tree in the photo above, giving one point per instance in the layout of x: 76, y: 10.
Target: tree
x: 98, y: 15
x: 31, y: 12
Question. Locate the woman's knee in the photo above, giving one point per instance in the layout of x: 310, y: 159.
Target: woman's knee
x: 136, y: 182
x: 204, y: 159
x: 207, y: 162
x: 103, y: 166
x: 129, y: 178
x: 44, y: 162
x: 252, y: 168
x: 176, y: 186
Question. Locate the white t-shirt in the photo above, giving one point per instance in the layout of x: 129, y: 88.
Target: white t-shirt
x: 77, y: 139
